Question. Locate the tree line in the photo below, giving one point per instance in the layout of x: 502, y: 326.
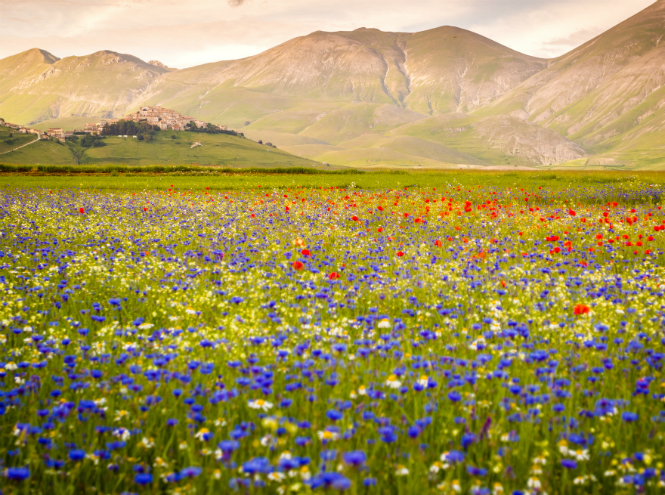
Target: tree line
x: 143, y: 130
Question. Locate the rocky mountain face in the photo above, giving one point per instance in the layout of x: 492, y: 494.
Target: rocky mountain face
x: 157, y: 63
x: 453, y: 95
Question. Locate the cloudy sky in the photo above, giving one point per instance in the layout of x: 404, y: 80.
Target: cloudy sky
x: 183, y: 33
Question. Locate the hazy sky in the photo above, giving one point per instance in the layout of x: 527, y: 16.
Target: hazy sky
x: 183, y: 33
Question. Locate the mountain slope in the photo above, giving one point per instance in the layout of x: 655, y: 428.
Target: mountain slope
x: 437, y: 71
x: 454, y: 70
x: 498, y: 140
x: 36, y: 86
x: 585, y: 93
x: 335, y: 87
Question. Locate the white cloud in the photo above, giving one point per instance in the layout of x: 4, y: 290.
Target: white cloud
x: 183, y: 33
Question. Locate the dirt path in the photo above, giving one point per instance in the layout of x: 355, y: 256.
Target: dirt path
x: 22, y: 146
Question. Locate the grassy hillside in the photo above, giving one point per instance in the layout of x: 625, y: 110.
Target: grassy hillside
x: 40, y: 153
x: 10, y: 139
x: 217, y: 149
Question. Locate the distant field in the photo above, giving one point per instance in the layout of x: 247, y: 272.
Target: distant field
x: 66, y: 123
x: 368, y: 180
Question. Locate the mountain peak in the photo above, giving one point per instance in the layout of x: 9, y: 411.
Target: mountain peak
x: 157, y: 63
x: 48, y: 57
x: 38, y: 55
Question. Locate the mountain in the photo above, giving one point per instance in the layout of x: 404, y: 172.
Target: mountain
x: 614, y: 85
x: 16, y: 68
x: 36, y: 86
x: 337, y: 87
x: 436, y: 98
x: 437, y: 71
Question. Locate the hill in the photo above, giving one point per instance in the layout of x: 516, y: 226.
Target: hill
x: 168, y: 147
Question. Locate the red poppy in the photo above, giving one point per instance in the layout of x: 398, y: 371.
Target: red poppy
x: 333, y: 276
x: 305, y: 252
x: 297, y: 265
x: 581, y: 309
x: 438, y: 243
x: 81, y: 210
x: 354, y: 218
x: 400, y: 253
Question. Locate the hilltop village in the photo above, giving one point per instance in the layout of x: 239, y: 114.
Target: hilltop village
x: 163, y: 118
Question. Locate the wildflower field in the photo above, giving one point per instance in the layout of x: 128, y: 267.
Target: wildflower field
x: 449, y: 338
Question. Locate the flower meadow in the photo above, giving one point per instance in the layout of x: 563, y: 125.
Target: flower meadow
x: 458, y: 339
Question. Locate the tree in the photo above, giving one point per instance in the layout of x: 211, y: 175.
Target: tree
x: 127, y: 128
x: 90, y: 141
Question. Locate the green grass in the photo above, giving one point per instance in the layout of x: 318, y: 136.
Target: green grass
x: 380, y: 157
x: 41, y: 152
x: 459, y: 135
x: 217, y: 149
x: 368, y: 180
x: 279, y: 139
x: 17, y: 139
